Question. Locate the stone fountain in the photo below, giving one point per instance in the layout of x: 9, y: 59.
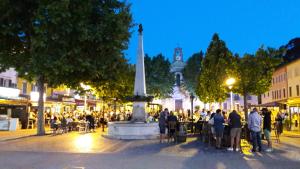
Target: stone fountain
x: 137, y: 128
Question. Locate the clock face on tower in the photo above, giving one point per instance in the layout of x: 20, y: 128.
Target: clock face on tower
x: 178, y: 58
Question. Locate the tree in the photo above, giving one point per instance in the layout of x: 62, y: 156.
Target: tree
x: 255, y: 73
x: 191, y: 71
x: 216, y: 67
x: 159, y: 79
x: 119, y: 88
x: 63, y: 42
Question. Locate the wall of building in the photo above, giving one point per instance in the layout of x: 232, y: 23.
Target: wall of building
x: 279, y: 88
x: 293, y: 71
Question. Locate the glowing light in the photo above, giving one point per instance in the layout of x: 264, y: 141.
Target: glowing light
x: 230, y: 81
x: 34, y: 96
x: 84, y: 143
x: 9, y: 92
x: 85, y: 87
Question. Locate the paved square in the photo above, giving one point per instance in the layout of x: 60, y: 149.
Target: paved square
x: 92, y: 151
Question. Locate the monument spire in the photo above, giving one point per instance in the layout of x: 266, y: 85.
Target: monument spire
x: 139, y: 114
x: 140, y: 83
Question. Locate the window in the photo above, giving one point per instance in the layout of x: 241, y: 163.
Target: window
x: 272, y: 94
x: 249, y: 97
x: 273, y: 80
x: 297, y: 89
x: 279, y: 94
x: 236, y: 97
x: 290, y: 91
x: 178, y: 80
x: 297, y: 72
x: 268, y: 94
x: 283, y: 93
x: 34, y: 88
x: 1, y: 82
x: 280, y: 78
x: 24, y: 88
x: 264, y: 95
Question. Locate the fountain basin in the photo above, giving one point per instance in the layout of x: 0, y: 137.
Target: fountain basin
x: 132, y: 130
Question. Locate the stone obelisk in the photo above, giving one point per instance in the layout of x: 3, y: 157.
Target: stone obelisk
x: 139, y: 114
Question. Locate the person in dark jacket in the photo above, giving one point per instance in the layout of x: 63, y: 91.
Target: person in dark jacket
x: 267, y: 127
x: 91, y: 121
x: 162, y: 120
x: 219, y: 128
x: 235, y: 124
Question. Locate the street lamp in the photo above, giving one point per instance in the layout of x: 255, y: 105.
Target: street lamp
x: 85, y: 87
x: 192, y: 111
x: 229, y: 83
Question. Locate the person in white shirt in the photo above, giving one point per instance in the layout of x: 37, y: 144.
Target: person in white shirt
x: 203, y: 114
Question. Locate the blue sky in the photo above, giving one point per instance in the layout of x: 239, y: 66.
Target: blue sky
x: 244, y: 25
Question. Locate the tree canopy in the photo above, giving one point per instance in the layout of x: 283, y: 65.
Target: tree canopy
x: 191, y: 71
x: 254, y: 73
x: 64, y: 42
x: 159, y: 79
x: 216, y: 67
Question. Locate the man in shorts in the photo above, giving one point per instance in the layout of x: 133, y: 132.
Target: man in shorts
x: 234, y: 121
x: 267, y: 127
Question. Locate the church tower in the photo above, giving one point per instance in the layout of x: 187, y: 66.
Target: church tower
x: 178, y: 56
x: 178, y: 65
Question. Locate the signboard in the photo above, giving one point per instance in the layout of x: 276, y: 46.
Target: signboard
x: 34, y: 96
x: 9, y: 92
x: 68, y: 99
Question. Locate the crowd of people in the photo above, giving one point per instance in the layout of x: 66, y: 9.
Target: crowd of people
x: 71, y: 120
x: 259, y: 122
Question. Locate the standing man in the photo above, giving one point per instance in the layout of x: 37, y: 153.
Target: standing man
x: 162, y: 120
x: 254, y: 125
x: 219, y: 128
x: 267, y: 127
x: 234, y: 121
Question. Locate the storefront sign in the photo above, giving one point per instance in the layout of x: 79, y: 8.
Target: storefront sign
x: 34, y: 96
x: 68, y: 99
x: 9, y: 92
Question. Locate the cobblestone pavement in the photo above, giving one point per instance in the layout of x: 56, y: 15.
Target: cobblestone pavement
x: 92, y: 151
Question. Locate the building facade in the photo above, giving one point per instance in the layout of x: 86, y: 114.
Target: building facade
x: 284, y: 93
x: 293, y: 76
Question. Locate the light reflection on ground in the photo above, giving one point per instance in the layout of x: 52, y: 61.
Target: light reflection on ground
x: 83, y: 143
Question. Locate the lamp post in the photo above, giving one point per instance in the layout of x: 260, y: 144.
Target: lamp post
x: 229, y: 83
x: 85, y: 87
x: 192, y: 111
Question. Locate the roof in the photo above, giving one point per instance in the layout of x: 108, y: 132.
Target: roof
x: 177, y: 66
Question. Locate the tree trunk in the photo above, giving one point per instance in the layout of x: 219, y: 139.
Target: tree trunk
x: 41, y: 119
x: 245, y: 106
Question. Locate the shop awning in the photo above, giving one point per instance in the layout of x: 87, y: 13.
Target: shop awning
x: 294, y: 102
x: 271, y: 104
